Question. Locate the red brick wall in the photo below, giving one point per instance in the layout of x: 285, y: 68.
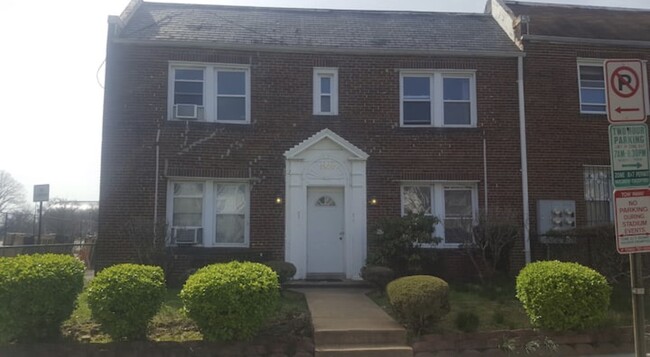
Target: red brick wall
x: 560, y: 139
x: 281, y: 112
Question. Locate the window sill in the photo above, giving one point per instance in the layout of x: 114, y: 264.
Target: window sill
x: 201, y: 246
x: 248, y: 122
x: 420, y: 126
x: 593, y: 115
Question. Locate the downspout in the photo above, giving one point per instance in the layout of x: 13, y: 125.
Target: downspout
x: 485, y: 180
x: 524, y: 158
x: 155, y: 194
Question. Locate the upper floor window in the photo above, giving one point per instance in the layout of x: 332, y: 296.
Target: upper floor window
x: 592, y: 87
x: 455, y: 204
x: 215, y: 92
x: 326, y: 91
x: 441, y: 99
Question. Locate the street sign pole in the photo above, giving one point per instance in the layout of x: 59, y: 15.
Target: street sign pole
x: 41, y: 193
x: 638, y: 308
x: 40, y: 221
x: 626, y: 83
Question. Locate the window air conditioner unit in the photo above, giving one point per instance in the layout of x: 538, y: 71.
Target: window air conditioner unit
x: 187, y: 235
x: 186, y: 111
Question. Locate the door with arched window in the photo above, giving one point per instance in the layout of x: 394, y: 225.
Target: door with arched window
x: 325, y: 232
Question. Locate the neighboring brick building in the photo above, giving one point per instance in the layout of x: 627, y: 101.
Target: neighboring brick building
x: 566, y: 121
x: 264, y: 133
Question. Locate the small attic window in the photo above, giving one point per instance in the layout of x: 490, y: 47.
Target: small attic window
x: 325, y: 201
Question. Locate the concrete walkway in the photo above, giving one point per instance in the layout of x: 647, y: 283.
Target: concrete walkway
x: 347, y: 323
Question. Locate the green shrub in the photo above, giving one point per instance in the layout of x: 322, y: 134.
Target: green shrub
x: 396, y: 243
x: 419, y: 300
x: 563, y: 296
x: 37, y: 293
x: 378, y: 276
x: 230, y: 301
x: 467, y: 321
x: 123, y: 299
x: 285, y: 270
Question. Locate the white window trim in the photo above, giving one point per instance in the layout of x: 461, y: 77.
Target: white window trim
x: 438, y: 206
x: 593, y: 62
x: 209, y: 89
x: 436, y: 98
x: 209, y: 211
x: 333, y: 73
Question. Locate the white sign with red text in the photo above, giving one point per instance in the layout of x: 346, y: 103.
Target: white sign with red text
x: 632, y: 211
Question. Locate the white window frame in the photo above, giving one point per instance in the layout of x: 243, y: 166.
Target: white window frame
x: 209, y: 210
x: 591, y: 62
x: 437, y: 189
x: 210, y: 71
x: 333, y: 74
x: 436, y: 99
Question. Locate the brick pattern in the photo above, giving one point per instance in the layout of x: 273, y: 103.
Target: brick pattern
x: 281, y: 116
x: 560, y: 139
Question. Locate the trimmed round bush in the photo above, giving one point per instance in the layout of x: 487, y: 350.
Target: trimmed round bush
x: 563, y: 296
x: 37, y: 293
x: 123, y: 299
x: 379, y: 276
x: 230, y: 301
x: 285, y: 270
x: 419, y: 300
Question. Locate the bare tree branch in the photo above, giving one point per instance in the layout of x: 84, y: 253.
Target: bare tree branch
x: 12, y: 193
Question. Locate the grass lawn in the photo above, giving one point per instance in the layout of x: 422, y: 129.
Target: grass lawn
x: 170, y: 324
x: 498, y: 309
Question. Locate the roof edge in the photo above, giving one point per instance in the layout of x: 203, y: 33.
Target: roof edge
x: 120, y: 21
x: 282, y: 8
x: 299, y: 49
x: 581, y: 40
x: 566, y: 6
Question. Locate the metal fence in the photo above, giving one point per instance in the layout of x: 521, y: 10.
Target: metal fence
x: 82, y: 251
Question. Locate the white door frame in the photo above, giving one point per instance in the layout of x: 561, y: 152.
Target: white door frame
x: 326, y: 160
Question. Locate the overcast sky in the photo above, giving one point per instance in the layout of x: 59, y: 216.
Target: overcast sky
x: 51, y: 76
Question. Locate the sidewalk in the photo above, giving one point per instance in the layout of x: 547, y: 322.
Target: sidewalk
x: 347, y: 323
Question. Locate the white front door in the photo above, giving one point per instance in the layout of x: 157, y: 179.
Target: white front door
x: 325, y: 233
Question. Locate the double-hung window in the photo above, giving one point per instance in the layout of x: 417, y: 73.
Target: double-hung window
x: 326, y: 91
x: 455, y: 205
x: 440, y: 99
x: 209, y: 213
x: 209, y: 92
x: 592, y: 87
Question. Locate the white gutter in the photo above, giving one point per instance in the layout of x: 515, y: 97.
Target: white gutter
x: 524, y: 158
x: 438, y: 52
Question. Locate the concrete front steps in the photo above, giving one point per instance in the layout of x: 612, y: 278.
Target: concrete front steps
x: 348, y: 324
x: 365, y: 342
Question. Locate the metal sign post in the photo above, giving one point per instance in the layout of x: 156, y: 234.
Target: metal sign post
x: 626, y: 83
x: 41, y: 193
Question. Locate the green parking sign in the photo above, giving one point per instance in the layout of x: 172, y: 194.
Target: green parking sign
x: 628, y: 149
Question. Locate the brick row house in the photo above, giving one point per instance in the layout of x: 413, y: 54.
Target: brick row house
x: 266, y: 133
x: 565, y: 107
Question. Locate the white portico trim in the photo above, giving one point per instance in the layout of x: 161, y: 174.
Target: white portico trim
x: 326, y: 160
